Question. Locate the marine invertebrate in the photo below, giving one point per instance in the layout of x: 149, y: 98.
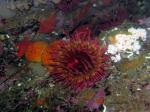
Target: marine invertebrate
x: 83, y: 31
x: 78, y: 63
x: 125, y: 45
x: 35, y: 50
x: 46, y: 58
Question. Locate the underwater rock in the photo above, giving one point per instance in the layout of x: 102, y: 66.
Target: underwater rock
x: 67, y: 6
x: 106, y: 2
x: 56, y: 1
x: 38, y: 2
x: 1, y: 47
x: 145, y: 21
x: 85, y: 96
x: 37, y: 69
x: 96, y: 101
x: 4, y: 11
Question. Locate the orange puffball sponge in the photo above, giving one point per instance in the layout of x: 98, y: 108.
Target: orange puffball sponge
x: 35, y: 50
x: 46, y: 57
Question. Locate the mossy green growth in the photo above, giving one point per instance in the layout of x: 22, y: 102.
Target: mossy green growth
x: 130, y: 65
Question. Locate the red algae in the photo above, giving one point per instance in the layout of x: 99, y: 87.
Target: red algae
x: 47, y: 25
x: 22, y: 46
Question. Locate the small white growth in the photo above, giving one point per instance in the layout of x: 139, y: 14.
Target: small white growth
x: 116, y: 58
x: 94, y: 5
x: 51, y: 85
x: 147, y: 57
x: 104, y: 108
x: 139, y: 33
x: 138, y: 89
x: 19, y: 84
x: 7, y: 36
x: 127, y: 44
